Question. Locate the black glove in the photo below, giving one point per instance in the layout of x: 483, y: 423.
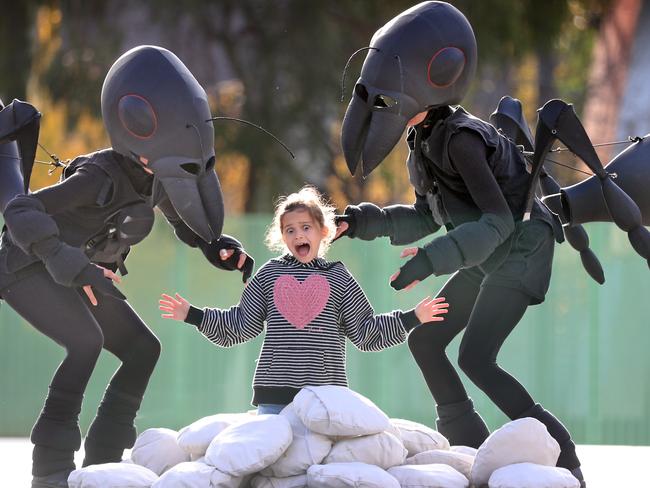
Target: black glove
x: 350, y: 219
x: 416, y: 269
x: 211, y: 252
x: 94, y: 276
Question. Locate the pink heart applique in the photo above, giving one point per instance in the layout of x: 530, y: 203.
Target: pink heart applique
x: 300, y: 303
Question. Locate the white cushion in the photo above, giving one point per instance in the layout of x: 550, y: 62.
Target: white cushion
x: 470, y: 451
x: 383, y: 450
x: 196, y: 475
x: 520, y: 441
x: 459, y: 461
x: 338, y: 411
x: 158, y: 450
x: 532, y: 476
x: 428, y: 476
x: 112, y: 475
x: 306, y: 449
x: 342, y: 475
x: 418, y: 437
x: 196, y: 437
x: 250, y: 446
x: 299, y: 481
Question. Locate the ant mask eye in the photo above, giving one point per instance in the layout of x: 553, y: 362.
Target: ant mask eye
x: 384, y: 101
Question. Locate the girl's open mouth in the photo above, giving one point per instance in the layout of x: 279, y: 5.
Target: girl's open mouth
x: 303, y: 250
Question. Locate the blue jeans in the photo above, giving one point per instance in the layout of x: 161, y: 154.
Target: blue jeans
x: 269, y: 408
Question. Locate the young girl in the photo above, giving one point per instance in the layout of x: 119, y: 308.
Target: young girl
x: 309, y: 306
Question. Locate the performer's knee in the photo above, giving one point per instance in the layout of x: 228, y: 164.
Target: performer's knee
x: 475, y: 364
x: 146, y: 350
x: 424, y: 341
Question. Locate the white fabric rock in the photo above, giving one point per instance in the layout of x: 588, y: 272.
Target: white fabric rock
x: 418, y: 437
x: 532, y: 476
x: 428, y: 476
x: 196, y: 475
x: 250, y: 446
x: 470, y: 451
x: 112, y: 475
x: 520, y: 441
x: 306, y: 449
x: 383, y: 450
x: 338, y: 411
x: 459, y: 461
x: 344, y: 475
x: 158, y: 450
x: 196, y: 437
x: 299, y: 481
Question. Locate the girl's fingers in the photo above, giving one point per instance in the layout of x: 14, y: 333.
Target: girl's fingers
x: 180, y: 299
x: 167, y: 316
x: 166, y: 309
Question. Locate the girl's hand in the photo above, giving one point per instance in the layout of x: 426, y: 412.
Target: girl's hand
x: 88, y: 290
x: 428, y: 310
x: 177, y: 308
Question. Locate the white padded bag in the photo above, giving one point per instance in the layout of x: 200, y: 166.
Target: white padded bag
x: 520, y: 441
x: 418, y: 437
x: 112, y: 475
x: 459, y: 461
x: 344, y: 475
x: 299, y: 481
x: 158, y: 450
x: 250, y: 446
x: 532, y: 476
x: 470, y: 451
x: 383, y: 450
x: 196, y: 437
x: 196, y: 475
x: 338, y: 411
x: 428, y: 476
x: 307, y: 448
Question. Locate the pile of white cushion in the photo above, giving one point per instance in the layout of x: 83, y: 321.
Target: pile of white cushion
x: 330, y: 437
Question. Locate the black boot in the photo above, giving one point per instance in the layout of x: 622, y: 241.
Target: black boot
x: 54, y: 480
x: 56, y: 437
x: 113, y: 430
x: 461, y: 424
x: 568, y: 458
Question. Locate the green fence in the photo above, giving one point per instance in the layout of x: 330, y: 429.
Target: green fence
x: 584, y: 353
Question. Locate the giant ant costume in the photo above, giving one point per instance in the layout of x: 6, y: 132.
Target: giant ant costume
x: 471, y: 179
x: 55, y: 239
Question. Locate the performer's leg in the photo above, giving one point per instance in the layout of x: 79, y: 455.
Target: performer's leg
x: 496, y: 313
x: 457, y: 419
x: 59, y: 313
x: 128, y: 338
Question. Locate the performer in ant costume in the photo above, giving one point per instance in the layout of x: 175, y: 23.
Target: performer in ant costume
x: 62, y: 244
x: 472, y: 180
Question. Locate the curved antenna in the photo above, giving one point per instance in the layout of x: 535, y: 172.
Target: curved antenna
x: 347, y: 65
x: 257, y: 127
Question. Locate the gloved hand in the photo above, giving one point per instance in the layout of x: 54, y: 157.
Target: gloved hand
x: 415, y: 270
x: 216, y: 250
x: 96, y: 278
x: 365, y: 221
x: 347, y: 229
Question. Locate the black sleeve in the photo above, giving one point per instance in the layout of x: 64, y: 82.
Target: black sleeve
x: 409, y: 223
x: 471, y: 243
x: 403, y: 224
x: 32, y: 229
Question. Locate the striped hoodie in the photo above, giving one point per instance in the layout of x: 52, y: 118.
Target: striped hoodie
x: 308, y: 311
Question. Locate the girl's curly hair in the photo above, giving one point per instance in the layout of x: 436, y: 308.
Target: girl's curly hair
x: 310, y: 200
